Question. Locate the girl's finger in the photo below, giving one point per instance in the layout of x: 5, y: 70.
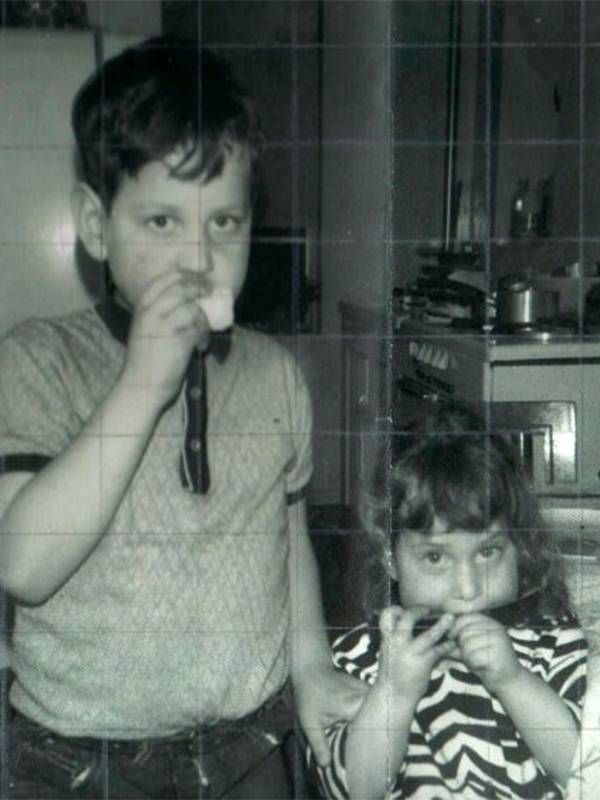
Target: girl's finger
x: 446, y: 649
x: 435, y: 634
x: 389, y: 620
x: 476, y: 658
x: 473, y: 631
x: 411, y: 616
x: 463, y: 620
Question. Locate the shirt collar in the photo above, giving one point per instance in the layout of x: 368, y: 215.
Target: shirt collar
x: 116, y: 318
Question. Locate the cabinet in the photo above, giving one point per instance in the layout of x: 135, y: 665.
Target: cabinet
x: 364, y: 407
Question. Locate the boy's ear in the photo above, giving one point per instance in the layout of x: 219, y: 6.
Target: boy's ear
x: 89, y: 216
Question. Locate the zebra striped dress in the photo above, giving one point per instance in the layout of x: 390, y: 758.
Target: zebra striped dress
x: 461, y: 743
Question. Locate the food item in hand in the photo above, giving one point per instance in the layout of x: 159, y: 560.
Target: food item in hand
x: 218, y: 308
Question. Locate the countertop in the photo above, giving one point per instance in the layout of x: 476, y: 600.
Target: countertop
x: 515, y: 347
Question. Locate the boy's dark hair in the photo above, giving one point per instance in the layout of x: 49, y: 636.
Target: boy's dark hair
x: 450, y: 465
x: 163, y: 95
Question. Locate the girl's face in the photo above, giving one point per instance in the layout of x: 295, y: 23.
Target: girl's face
x: 457, y: 571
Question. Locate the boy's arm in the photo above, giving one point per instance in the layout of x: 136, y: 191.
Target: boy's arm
x: 377, y: 744
x: 322, y: 694
x: 53, y: 520
x: 543, y: 720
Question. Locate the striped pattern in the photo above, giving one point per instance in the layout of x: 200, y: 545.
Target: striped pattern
x: 462, y: 744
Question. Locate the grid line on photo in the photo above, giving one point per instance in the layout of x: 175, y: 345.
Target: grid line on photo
x: 429, y: 236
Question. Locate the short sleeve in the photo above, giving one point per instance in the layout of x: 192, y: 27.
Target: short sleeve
x: 36, y: 416
x: 300, y: 466
x: 355, y: 652
x: 332, y: 780
x: 562, y: 662
x: 568, y: 668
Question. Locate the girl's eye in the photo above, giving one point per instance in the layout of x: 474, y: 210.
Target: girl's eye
x: 490, y: 552
x: 433, y: 557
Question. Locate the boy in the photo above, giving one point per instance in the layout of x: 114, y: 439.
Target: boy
x: 161, y: 575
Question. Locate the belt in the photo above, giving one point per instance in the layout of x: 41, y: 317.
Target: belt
x: 200, y: 739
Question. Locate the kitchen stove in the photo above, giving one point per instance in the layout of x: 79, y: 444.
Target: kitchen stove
x: 540, y: 384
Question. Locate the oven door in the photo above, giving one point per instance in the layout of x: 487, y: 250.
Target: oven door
x: 543, y: 432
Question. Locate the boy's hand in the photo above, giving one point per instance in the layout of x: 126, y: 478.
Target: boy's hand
x: 167, y: 325
x: 406, y: 661
x: 323, y: 695
x: 486, y: 648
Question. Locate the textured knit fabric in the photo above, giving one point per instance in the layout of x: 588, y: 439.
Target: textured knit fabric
x: 462, y: 744
x: 180, y: 614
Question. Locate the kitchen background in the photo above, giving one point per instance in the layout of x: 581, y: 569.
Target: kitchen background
x: 432, y: 226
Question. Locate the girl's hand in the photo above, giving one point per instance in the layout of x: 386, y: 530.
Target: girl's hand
x: 406, y: 661
x: 486, y: 648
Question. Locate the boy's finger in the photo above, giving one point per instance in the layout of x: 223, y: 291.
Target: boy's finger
x: 201, y: 281
x: 157, y: 285
x: 318, y: 744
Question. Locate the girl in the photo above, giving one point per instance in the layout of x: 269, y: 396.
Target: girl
x: 477, y: 667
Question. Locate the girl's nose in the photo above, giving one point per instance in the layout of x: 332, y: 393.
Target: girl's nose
x: 467, y: 582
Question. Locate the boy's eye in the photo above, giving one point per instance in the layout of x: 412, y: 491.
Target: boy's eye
x: 161, y: 222
x: 225, y: 223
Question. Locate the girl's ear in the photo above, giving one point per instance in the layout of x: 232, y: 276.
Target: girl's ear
x: 90, y: 217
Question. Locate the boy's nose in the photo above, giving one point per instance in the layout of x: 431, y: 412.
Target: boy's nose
x: 200, y: 257
x: 467, y: 582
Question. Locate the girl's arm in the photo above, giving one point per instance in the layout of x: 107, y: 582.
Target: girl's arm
x: 378, y: 735
x: 543, y: 720
x: 542, y: 717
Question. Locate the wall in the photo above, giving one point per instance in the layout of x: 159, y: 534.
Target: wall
x: 126, y: 16
x: 356, y: 177
x: 419, y: 79
x: 355, y: 190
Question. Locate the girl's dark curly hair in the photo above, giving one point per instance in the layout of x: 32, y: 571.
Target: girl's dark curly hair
x: 448, y: 465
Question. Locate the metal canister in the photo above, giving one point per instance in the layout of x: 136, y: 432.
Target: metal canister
x: 517, y: 302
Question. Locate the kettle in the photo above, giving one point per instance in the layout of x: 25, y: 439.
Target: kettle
x: 517, y: 302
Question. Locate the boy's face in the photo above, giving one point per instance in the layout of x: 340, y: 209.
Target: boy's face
x: 458, y: 571
x: 159, y: 222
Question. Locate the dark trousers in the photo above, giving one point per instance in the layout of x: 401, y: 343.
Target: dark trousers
x: 245, y: 760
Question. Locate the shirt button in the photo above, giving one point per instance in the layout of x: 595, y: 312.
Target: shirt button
x: 195, y: 393
x: 195, y: 445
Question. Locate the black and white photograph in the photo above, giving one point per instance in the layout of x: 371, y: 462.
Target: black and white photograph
x: 299, y: 399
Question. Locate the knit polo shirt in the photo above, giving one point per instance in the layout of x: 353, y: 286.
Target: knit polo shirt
x: 180, y: 615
